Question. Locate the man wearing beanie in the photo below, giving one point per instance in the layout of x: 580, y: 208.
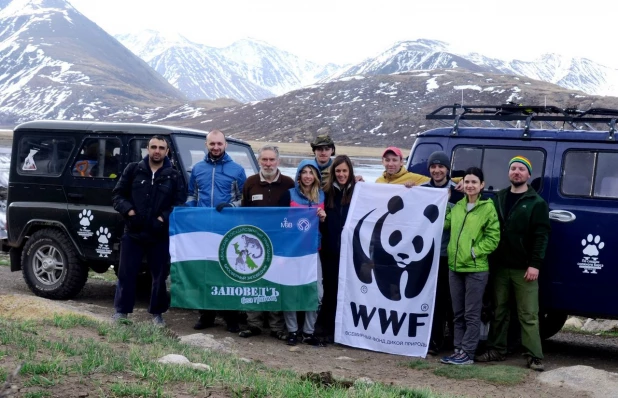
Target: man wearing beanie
x: 524, y: 222
x: 439, y: 166
x: 395, y: 171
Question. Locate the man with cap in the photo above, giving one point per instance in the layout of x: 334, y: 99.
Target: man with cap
x: 439, y: 166
x: 395, y: 171
x: 524, y: 223
x: 323, y: 148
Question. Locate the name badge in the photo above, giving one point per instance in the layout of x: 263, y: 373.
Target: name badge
x: 257, y: 197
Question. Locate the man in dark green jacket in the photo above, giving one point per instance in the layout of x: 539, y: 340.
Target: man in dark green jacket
x: 524, y: 224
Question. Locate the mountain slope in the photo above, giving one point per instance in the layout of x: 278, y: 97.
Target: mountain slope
x: 376, y: 110
x: 55, y: 63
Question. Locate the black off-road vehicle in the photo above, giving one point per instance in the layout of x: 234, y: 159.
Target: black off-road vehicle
x: 60, y: 219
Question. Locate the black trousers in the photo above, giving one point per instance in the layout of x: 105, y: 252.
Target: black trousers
x: 330, y: 281
x: 132, y: 252
x: 443, y: 310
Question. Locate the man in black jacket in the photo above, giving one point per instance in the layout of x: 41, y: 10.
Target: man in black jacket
x: 146, y: 195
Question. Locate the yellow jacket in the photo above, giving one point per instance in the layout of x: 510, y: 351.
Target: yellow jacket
x: 401, y: 177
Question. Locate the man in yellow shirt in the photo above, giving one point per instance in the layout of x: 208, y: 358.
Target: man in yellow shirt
x: 395, y: 171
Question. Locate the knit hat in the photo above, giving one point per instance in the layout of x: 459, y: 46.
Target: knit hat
x: 523, y: 161
x: 323, y: 140
x: 393, y: 149
x: 439, y: 157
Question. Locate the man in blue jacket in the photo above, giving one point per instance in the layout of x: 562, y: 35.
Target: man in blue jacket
x: 217, y: 181
x: 145, y: 196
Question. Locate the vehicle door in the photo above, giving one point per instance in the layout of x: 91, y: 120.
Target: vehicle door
x: 582, y: 256
x: 89, y: 182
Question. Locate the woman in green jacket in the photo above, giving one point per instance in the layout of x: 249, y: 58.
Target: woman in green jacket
x: 475, y: 233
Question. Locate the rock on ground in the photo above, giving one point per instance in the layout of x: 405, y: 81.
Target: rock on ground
x: 598, y: 383
x: 600, y: 325
x: 208, y: 341
x: 574, y: 322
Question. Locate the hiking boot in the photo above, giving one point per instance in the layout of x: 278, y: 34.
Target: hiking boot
x: 461, y: 359
x: 432, y: 350
x: 204, y: 321
x: 292, y: 338
x: 311, y: 340
x: 251, y: 331
x: 157, y: 319
x: 279, y: 334
x: 489, y: 356
x: 120, y: 317
x: 535, y: 364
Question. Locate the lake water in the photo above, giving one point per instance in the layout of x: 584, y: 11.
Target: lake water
x: 369, y: 168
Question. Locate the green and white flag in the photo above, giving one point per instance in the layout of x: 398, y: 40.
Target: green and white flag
x: 248, y: 259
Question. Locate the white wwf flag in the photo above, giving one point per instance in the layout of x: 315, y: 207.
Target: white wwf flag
x: 390, y: 251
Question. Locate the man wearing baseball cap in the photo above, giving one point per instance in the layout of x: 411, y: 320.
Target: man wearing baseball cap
x: 524, y: 222
x: 395, y: 171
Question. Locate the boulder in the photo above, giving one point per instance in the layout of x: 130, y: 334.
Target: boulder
x: 596, y: 382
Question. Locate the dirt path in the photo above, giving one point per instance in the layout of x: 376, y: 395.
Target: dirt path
x: 565, y: 349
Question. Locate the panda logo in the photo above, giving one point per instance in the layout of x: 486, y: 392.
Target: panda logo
x: 390, y: 252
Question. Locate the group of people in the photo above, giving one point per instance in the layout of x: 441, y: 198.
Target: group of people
x: 501, y: 240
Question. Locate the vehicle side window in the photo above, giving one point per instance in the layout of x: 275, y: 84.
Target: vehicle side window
x: 590, y: 174
x: 494, y: 162
x: 138, y: 149
x: 98, y: 158
x: 606, y: 176
x: 418, y: 163
x: 577, y: 173
x: 191, y: 150
x: 43, y: 155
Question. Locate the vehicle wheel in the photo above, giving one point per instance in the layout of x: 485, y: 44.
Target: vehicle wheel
x: 50, y: 265
x: 551, y: 323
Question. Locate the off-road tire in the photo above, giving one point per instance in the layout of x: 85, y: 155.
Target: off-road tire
x: 69, y: 281
x: 550, y: 323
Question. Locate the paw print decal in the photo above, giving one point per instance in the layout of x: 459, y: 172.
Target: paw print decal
x: 592, y: 245
x: 104, y: 235
x: 85, y: 217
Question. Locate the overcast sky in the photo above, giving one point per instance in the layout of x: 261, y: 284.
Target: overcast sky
x: 346, y: 31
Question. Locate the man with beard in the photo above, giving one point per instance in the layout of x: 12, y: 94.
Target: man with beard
x: 217, y: 181
x: 439, y: 166
x: 524, y: 222
x: 264, y: 190
x: 145, y: 195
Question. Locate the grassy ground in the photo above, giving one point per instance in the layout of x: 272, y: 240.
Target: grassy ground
x: 72, y: 355
x: 495, y: 374
x: 304, y: 149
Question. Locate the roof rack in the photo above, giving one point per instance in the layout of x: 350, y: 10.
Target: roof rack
x: 513, y: 114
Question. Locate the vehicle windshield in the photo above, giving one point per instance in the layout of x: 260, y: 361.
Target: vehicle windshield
x: 192, y: 149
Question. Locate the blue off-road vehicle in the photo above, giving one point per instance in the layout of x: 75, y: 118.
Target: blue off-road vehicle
x: 575, y: 169
x: 60, y: 219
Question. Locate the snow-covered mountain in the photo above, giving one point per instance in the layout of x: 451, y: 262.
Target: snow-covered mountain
x: 569, y: 72
x: 246, y: 70
x: 57, y: 64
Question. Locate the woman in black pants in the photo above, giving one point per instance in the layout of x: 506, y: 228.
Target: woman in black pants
x: 338, y: 189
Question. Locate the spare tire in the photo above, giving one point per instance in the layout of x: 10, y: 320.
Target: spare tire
x: 50, y: 265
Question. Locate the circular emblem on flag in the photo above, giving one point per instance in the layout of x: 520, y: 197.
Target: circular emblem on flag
x: 303, y: 224
x: 245, y: 253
